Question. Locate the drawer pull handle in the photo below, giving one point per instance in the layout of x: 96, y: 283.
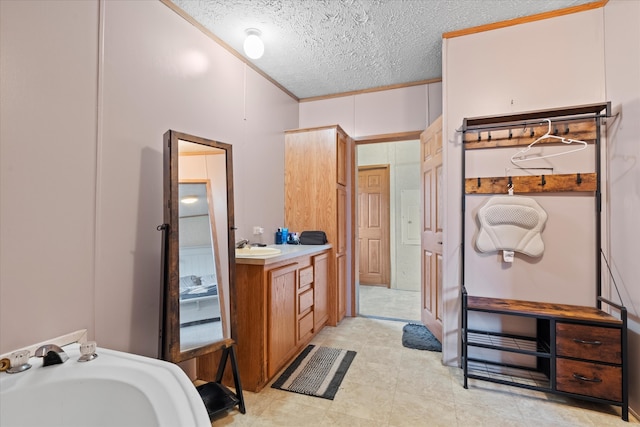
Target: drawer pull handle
x: 591, y: 380
x: 579, y: 341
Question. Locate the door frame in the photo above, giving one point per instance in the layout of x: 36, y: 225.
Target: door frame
x: 370, y: 139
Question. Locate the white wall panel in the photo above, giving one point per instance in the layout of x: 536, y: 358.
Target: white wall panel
x: 391, y: 111
x: 162, y: 73
x: 327, y: 112
x: 376, y: 113
x: 47, y: 168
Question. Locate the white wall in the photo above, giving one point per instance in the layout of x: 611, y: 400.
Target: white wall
x: 82, y: 173
x: 403, y: 159
x: 499, y: 89
x: 376, y: 113
x: 622, y: 54
x: 47, y: 169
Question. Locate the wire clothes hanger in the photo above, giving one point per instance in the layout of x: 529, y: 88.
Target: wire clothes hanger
x: 520, y: 157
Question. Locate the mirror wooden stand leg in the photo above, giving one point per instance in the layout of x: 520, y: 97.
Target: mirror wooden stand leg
x: 216, y: 396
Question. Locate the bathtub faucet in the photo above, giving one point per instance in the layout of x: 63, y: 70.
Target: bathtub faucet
x: 51, y: 354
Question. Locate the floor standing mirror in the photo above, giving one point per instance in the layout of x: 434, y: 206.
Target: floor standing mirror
x: 198, y: 260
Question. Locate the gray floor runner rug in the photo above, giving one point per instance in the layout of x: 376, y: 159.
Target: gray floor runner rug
x: 420, y: 338
x: 317, y: 371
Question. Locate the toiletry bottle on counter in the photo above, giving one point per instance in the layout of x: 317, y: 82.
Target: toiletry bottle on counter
x: 281, y: 236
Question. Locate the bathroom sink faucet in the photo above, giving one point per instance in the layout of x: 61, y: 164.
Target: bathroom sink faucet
x: 242, y: 243
x: 51, y: 354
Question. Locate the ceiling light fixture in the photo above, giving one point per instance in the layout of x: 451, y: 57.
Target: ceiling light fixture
x: 253, y: 45
x: 188, y: 200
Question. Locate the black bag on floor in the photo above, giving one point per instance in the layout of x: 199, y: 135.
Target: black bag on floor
x: 313, y: 238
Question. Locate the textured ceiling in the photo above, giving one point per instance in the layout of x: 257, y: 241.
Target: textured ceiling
x: 322, y: 47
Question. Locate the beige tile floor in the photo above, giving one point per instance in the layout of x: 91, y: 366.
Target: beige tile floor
x: 380, y: 301
x: 389, y: 385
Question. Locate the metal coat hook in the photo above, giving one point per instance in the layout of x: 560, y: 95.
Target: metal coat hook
x: 479, y: 136
x: 510, y: 134
x: 489, y: 136
x: 479, y: 182
x: 566, y: 129
x: 543, y: 181
x: 578, y: 179
x: 532, y: 133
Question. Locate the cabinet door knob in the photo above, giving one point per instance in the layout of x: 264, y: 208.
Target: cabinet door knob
x: 591, y: 380
x: 579, y: 341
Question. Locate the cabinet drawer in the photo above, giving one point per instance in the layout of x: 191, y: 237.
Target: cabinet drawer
x: 305, y: 301
x: 589, y: 379
x: 306, y: 276
x: 588, y: 342
x: 305, y: 325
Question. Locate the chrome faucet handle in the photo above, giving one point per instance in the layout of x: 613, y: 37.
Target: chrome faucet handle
x: 87, y: 351
x: 18, y: 362
x: 51, y: 354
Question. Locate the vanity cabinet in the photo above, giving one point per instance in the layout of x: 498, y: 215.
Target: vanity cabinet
x: 318, y: 197
x: 280, y: 306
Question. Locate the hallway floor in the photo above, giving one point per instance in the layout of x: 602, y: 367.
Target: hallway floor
x: 380, y: 301
x: 390, y: 385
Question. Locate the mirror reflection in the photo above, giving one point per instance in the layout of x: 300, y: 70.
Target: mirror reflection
x: 203, y: 267
x: 200, y: 308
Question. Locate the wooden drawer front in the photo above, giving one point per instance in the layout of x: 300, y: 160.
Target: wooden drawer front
x: 305, y: 325
x: 305, y: 301
x: 588, y: 342
x: 589, y: 379
x: 306, y: 276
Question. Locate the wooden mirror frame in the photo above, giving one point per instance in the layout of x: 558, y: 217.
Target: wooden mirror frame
x: 170, y: 301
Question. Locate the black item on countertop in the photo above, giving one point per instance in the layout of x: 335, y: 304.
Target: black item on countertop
x: 313, y: 238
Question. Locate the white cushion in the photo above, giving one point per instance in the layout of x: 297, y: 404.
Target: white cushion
x: 511, y: 223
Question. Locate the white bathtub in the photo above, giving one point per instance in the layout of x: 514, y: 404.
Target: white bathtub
x: 116, y: 389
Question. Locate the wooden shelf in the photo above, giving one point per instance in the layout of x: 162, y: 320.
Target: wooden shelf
x: 586, y: 182
x: 540, y: 310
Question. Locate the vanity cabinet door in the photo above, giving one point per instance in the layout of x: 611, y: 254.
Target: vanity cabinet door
x: 341, y: 159
x: 342, y: 285
x: 282, y: 317
x: 320, y: 290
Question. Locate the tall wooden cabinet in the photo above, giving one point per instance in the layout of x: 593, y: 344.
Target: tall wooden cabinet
x: 318, y: 197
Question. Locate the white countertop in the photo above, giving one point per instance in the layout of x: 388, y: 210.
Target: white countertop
x: 288, y: 251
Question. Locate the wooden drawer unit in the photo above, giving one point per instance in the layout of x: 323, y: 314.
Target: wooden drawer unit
x: 588, y: 342
x: 589, y: 379
x: 579, y: 351
x: 306, y: 276
x: 305, y: 326
x: 305, y: 301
